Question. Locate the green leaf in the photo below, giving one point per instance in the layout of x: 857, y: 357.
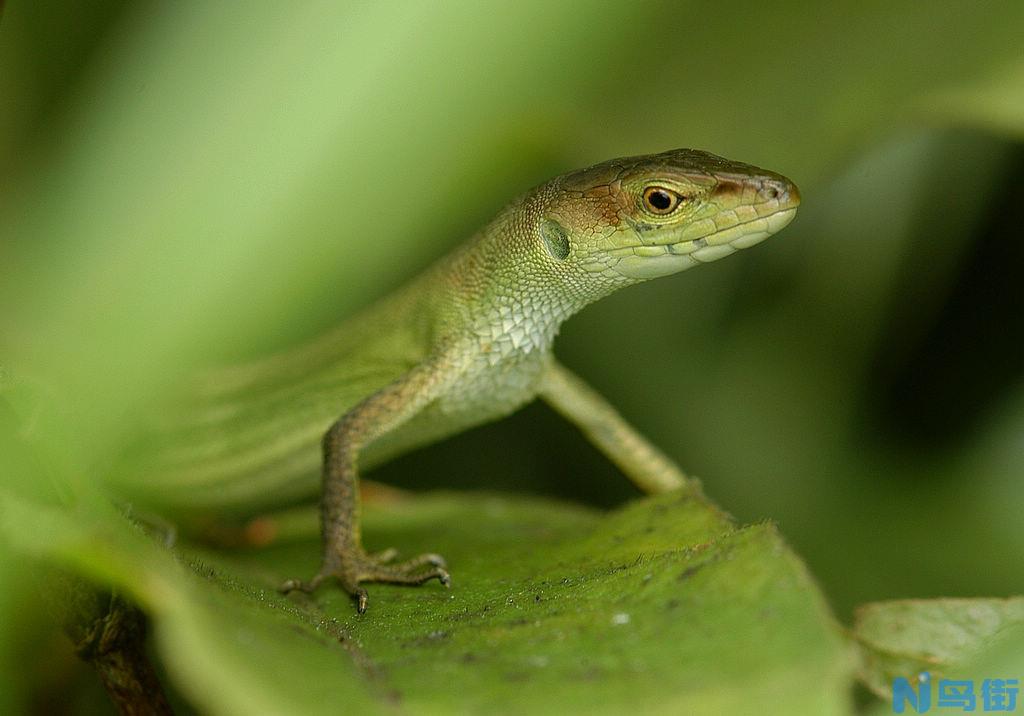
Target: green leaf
x: 941, y: 636
x: 664, y: 604
x: 229, y: 647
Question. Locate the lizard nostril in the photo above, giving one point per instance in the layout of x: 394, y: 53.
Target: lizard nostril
x: 779, y: 190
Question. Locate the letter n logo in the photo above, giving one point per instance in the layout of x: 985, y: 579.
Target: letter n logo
x: 903, y: 693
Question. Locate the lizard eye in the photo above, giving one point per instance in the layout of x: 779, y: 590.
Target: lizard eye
x: 659, y: 200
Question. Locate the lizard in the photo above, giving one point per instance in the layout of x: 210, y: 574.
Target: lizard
x: 469, y: 341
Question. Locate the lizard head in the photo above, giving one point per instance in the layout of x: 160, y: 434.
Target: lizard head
x: 633, y: 219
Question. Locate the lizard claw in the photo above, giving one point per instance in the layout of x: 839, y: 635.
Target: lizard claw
x: 350, y: 571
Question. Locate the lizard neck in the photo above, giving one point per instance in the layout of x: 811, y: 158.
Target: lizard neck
x: 517, y: 308
x: 515, y: 325
x: 511, y: 294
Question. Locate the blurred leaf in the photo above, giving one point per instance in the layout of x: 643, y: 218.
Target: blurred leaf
x: 994, y: 103
x: 941, y: 636
x: 663, y: 605
x: 13, y: 692
x: 800, y: 87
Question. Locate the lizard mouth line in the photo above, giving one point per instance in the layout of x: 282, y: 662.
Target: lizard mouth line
x: 718, y: 242
x: 771, y: 223
x: 743, y: 235
x: 644, y: 261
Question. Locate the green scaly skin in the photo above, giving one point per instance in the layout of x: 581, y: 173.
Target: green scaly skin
x: 467, y: 342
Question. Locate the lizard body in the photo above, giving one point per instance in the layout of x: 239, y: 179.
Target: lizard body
x: 466, y: 342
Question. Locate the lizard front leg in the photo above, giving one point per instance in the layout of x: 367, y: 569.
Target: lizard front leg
x: 650, y: 469
x: 343, y: 555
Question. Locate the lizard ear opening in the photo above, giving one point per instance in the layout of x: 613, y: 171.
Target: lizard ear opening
x: 556, y: 241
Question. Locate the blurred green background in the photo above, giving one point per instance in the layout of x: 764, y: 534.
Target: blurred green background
x: 184, y: 184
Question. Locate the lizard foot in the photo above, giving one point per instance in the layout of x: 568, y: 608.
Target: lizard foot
x: 351, y: 570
